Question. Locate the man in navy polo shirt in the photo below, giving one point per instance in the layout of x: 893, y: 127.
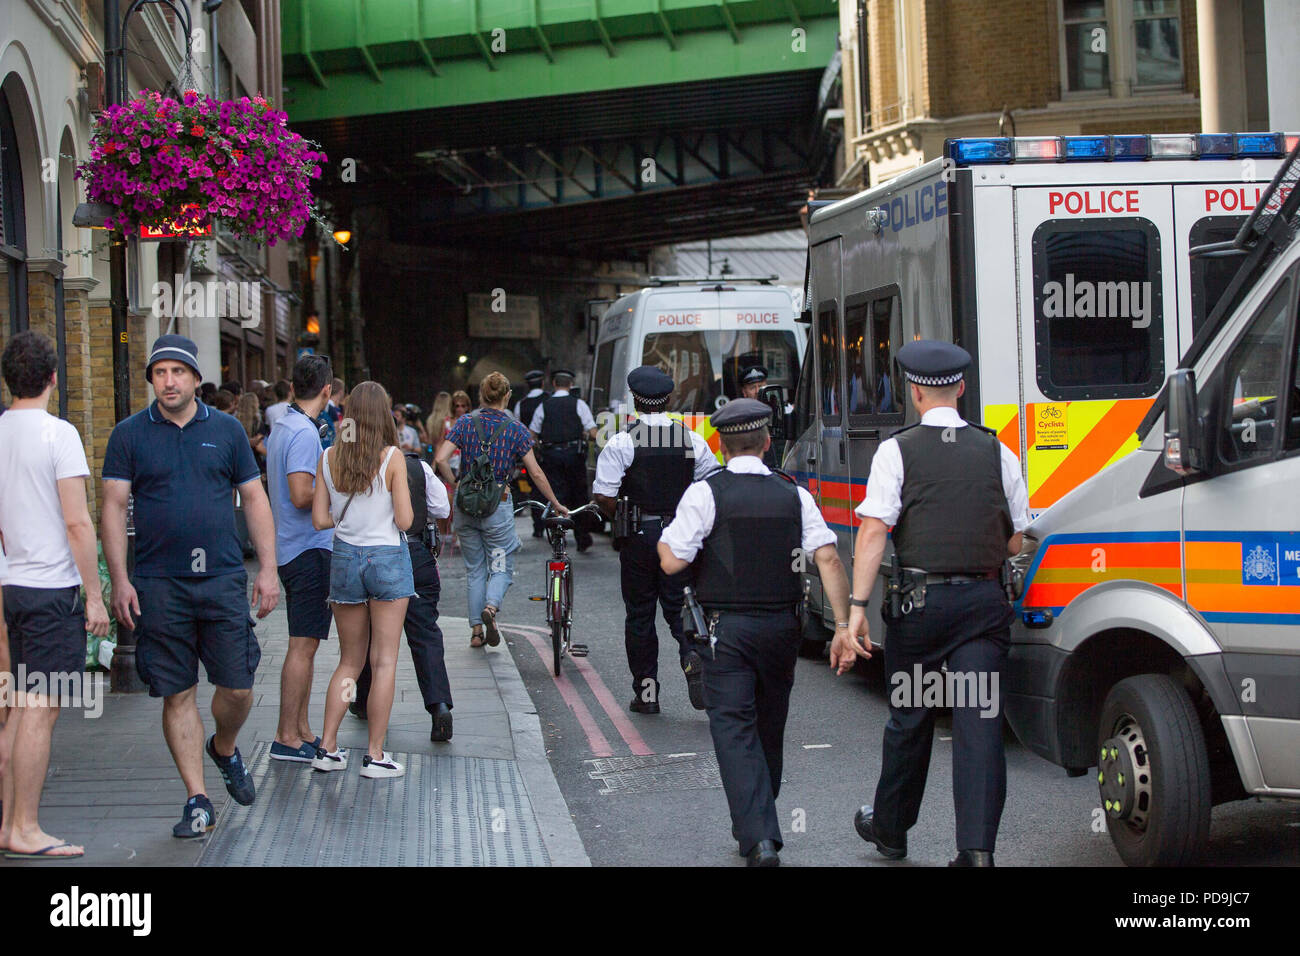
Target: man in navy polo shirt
x: 181, y: 460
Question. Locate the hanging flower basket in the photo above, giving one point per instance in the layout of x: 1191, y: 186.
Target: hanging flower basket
x: 181, y: 166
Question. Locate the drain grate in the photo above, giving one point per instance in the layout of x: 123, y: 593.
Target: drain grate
x: 446, y: 811
x: 653, y: 773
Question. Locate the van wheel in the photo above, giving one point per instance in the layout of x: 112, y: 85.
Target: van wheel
x: 1153, y: 772
x: 813, y: 634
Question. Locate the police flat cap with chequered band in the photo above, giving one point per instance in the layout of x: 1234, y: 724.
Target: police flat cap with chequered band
x: 650, y: 384
x: 534, y: 376
x: 927, y: 362
x: 556, y: 373
x: 176, y: 348
x: 741, y: 415
x: 753, y: 375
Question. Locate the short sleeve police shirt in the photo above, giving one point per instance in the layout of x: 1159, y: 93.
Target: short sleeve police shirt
x: 182, y: 480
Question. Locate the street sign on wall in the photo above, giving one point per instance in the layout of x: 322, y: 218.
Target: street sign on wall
x: 499, y: 316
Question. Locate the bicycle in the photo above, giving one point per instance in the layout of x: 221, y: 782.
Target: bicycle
x: 559, y: 580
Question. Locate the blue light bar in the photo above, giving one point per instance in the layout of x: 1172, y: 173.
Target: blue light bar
x: 1217, y: 146
x: 1261, y: 144
x: 1086, y: 147
x: 975, y: 151
x: 1130, y: 147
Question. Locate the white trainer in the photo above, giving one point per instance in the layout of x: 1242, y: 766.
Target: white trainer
x: 326, y: 761
x: 385, y: 766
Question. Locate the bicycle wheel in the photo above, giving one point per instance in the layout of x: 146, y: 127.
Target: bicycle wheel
x: 557, y: 635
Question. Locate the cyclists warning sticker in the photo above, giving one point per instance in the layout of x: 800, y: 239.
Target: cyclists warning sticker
x: 1051, y: 431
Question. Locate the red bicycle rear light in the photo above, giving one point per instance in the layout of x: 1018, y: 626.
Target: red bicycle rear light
x: 555, y: 565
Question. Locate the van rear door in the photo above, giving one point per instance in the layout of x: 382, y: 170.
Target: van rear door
x: 1098, y: 330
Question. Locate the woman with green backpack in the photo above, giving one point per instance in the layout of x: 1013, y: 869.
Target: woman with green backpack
x: 491, y: 444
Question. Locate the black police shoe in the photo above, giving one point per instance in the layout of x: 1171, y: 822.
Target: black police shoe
x: 693, y: 668
x: 763, y: 854
x: 864, y: 823
x: 639, y: 706
x: 441, y: 724
x: 973, y: 858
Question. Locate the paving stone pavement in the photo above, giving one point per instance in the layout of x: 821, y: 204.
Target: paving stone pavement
x: 112, y: 785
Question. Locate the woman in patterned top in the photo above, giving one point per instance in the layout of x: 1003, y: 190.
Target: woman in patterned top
x: 489, y: 544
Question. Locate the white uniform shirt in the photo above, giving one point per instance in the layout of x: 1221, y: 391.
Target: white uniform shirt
x: 584, y: 413
x: 435, y: 493
x: 275, y: 412
x: 616, y: 457
x: 884, y: 498
x: 532, y: 394
x: 697, y: 511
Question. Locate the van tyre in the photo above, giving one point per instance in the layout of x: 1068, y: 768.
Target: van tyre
x: 1153, y: 772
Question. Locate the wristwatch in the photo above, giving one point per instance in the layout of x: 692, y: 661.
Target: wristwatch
x: 855, y: 602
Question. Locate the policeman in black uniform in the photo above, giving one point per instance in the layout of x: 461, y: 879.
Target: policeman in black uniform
x: 563, y: 423
x: 524, y: 409
x: 423, y: 636
x: 752, y: 381
x: 651, y: 464
x: 957, y: 503
x: 747, y: 530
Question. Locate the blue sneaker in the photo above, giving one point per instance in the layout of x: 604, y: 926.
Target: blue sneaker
x: 303, y: 753
x: 238, y: 781
x: 197, y: 819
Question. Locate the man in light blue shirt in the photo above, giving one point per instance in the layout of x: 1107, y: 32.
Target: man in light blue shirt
x: 301, y: 552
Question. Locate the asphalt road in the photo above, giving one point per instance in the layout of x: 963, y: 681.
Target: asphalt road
x: 832, y: 756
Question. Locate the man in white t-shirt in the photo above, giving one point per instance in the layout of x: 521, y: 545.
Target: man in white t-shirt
x: 49, y: 544
x: 280, y: 408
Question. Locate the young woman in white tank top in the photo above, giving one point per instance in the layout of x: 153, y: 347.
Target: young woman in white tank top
x: 364, y: 496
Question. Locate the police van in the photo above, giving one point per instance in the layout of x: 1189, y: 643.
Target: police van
x: 1059, y: 262
x: 705, y: 333
x: 1157, y: 637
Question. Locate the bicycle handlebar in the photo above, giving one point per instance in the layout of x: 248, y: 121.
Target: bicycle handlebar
x: 546, y: 508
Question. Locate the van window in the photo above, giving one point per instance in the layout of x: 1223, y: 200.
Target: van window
x: 873, y: 334
x: 805, y: 412
x: 1210, y: 275
x: 707, y: 366
x: 1253, y: 383
x: 610, y: 356
x: 1098, y: 313
x: 828, y: 351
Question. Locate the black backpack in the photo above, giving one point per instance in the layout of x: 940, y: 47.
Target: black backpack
x: 479, y: 493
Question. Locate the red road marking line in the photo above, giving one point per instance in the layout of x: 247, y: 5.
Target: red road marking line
x: 595, y: 739
x: 607, y: 702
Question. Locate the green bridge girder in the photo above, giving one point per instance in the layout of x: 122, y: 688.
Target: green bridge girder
x: 345, y: 58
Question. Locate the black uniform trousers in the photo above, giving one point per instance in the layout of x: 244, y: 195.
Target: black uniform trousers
x: 644, y: 585
x: 423, y: 635
x: 747, y: 695
x: 566, y: 469
x: 966, y: 626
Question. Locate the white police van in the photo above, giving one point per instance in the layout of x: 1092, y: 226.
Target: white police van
x: 1158, y: 634
x: 704, y: 332
x: 1059, y: 262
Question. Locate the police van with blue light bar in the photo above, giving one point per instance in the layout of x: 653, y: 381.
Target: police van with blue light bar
x: 1157, y: 637
x: 1059, y: 262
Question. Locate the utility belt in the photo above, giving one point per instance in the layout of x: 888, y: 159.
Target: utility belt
x: 578, y: 444
x: 629, y: 519
x: 429, y: 538
x: 905, y: 587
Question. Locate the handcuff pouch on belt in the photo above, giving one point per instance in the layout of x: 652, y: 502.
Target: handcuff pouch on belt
x: 904, y: 589
x: 627, y: 521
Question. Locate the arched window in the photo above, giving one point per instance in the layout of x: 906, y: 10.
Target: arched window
x: 13, y: 225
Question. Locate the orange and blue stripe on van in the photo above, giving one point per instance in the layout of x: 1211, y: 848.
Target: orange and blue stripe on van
x: 1241, y: 577
x: 836, y: 498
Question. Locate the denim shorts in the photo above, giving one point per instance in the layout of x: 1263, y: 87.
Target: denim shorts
x: 378, y: 572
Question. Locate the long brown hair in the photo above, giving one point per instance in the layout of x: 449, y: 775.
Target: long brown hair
x: 248, y: 413
x: 366, y: 430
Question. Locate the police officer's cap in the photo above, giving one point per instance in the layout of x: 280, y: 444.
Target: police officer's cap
x: 741, y: 415
x: 927, y: 362
x: 557, y: 373
x: 650, y: 384
x: 754, y: 375
x: 534, y: 376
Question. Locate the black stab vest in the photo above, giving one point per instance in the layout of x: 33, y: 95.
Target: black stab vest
x: 561, y: 423
x: 748, y: 559
x: 955, y: 518
x: 415, y: 478
x: 662, y: 468
x: 528, y: 406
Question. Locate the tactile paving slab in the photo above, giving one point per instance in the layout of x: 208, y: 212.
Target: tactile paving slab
x: 654, y: 772
x: 446, y: 811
